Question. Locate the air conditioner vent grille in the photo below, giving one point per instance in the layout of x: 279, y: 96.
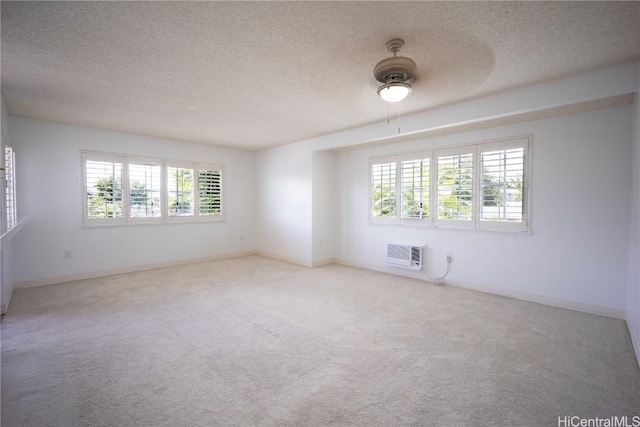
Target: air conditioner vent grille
x: 406, y: 256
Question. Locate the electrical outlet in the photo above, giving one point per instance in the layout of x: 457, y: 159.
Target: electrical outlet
x: 67, y: 253
x: 449, y: 256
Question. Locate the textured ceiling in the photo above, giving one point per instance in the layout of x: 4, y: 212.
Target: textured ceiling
x: 260, y: 74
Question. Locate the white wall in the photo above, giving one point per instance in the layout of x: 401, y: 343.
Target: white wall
x: 578, y: 250
x: 49, y: 177
x: 284, y: 188
x: 576, y: 258
x: 633, y: 289
x: 325, y: 207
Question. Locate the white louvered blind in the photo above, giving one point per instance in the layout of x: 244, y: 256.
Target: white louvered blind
x: 414, y: 188
x: 502, y: 184
x: 383, y: 189
x: 103, y: 189
x: 455, y: 187
x: 209, y: 192
x: 121, y: 189
x: 180, y: 191
x: 10, y: 189
x: 145, y: 190
x: 483, y: 186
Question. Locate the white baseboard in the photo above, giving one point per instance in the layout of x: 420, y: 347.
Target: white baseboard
x: 131, y: 269
x: 325, y: 261
x: 541, y: 299
x: 4, y: 307
x: 557, y: 302
x: 284, y: 258
x: 525, y: 296
x: 391, y: 270
x: 635, y: 338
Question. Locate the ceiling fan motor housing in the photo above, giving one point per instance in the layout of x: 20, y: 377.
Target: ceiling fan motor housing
x: 395, y: 68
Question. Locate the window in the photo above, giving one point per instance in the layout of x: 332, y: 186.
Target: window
x: 156, y: 190
x: 414, y: 188
x: 455, y: 187
x: 103, y: 188
x: 400, y: 188
x: 180, y: 187
x: 383, y: 189
x: 502, y: 168
x: 209, y: 192
x: 145, y: 189
x: 481, y: 186
x: 10, y: 189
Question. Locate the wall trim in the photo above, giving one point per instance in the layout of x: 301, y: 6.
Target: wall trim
x: 541, y: 299
x: 112, y: 271
x: 524, y: 296
x: 285, y: 258
x: 322, y: 262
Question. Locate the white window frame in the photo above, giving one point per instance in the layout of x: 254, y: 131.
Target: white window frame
x: 164, y: 218
x: 102, y: 157
x: 196, y: 167
x: 523, y: 225
x: 209, y: 167
x: 475, y: 223
x: 10, y: 217
x: 144, y: 161
x: 414, y: 156
x: 181, y: 165
x: 398, y: 159
x: 382, y: 219
x: 455, y: 223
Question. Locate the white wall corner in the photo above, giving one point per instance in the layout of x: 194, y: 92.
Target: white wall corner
x: 633, y: 270
x: 292, y: 260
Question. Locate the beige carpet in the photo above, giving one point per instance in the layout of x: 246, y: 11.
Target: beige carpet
x: 252, y: 341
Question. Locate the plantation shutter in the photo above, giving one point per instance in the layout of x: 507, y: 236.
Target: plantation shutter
x: 455, y: 187
x: 103, y: 177
x: 414, y: 188
x: 383, y: 189
x: 180, y: 191
x: 10, y: 189
x: 502, y: 185
x: 145, y: 189
x: 210, y: 191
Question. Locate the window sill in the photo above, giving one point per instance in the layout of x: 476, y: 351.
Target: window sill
x: 183, y: 221
x: 430, y: 227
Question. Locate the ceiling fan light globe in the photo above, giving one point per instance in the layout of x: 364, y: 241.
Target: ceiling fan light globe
x: 394, y: 92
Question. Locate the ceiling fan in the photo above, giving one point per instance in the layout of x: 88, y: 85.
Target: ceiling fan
x: 396, y: 73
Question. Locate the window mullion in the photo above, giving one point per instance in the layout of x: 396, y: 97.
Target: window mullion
x: 398, y: 213
x: 126, y: 190
x: 433, y: 188
x: 196, y: 191
x: 164, y: 190
x: 476, y: 199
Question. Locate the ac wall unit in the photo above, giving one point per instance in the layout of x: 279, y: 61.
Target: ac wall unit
x: 405, y: 256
